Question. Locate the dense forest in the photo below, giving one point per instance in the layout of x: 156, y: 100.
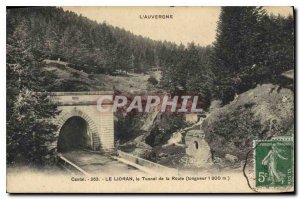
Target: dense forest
x: 251, y: 47
x: 98, y: 47
x: 85, y: 44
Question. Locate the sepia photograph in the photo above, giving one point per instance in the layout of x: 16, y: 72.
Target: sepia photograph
x: 169, y: 99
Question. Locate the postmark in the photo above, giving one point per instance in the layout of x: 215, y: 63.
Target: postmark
x: 274, y: 162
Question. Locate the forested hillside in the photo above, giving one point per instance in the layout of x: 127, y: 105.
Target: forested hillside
x: 89, y: 46
x: 251, y: 47
x: 86, y: 45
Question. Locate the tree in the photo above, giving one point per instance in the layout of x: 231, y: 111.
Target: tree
x: 29, y: 109
x: 279, y: 45
x: 52, y: 50
x: 200, y: 80
x: 251, y: 48
x: 87, y: 45
x: 237, y: 49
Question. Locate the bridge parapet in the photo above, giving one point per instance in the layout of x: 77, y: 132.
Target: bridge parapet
x: 81, y: 98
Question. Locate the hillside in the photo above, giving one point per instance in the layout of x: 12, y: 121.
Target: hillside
x: 260, y: 113
x: 85, y: 44
x: 100, y: 48
x: 75, y: 80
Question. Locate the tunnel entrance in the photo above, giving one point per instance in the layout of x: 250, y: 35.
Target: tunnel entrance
x: 73, y: 135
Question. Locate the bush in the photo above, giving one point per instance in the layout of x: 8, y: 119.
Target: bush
x: 75, y: 74
x: 152, y: 81
x: 164, y: 128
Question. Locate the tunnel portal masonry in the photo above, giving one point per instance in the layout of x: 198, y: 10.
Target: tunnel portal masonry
x: 99, y: 134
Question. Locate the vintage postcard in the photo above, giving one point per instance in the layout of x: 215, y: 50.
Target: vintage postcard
x: 150, y: 99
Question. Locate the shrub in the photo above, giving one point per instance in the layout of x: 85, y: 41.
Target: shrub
x: 152, y: 81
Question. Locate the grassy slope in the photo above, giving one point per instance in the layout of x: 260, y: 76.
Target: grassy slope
x: 131, y: 82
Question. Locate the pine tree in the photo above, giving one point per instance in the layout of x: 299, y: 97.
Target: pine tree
x: 237, y: 49
x: 29, y: 112
x: 201, y: 78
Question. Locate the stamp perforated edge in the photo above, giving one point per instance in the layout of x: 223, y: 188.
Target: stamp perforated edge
x: 279, y: 138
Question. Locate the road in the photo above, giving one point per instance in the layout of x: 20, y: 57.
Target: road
x: 96, y: 163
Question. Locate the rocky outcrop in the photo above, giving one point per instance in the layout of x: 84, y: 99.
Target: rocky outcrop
x: 260, y: 113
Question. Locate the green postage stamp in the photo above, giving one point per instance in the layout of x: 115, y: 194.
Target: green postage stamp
x: 274, y: 162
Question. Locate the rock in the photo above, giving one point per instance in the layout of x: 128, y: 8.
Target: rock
x: 243, y: 163
x: 143, y: 145
x: 162, y: 155
x: 175, y: 138
x: 284, y: 99
x: 231, y: 158
x: 149, y: 121
x: 215, y: 105
x: 217, y: 160
x: 139, y: 139
x: 231, y: 129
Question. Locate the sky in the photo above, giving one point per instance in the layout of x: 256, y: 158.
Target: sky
x: 189, y: 24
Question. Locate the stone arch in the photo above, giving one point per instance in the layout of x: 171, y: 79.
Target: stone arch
x: 92, y: 128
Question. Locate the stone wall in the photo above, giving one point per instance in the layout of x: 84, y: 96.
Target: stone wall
x: 197, y: 148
